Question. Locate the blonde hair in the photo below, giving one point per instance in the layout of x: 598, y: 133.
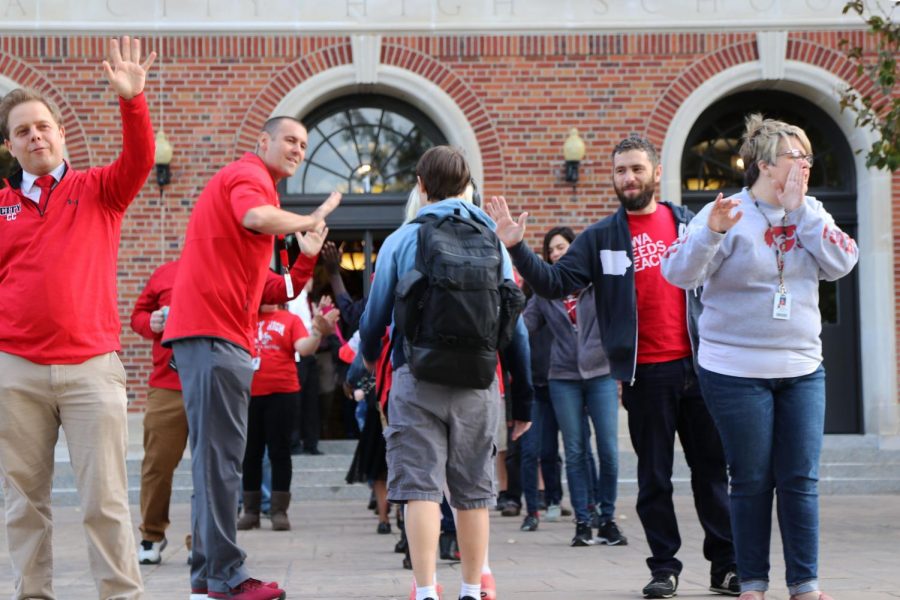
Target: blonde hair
x: 414, y: 201
x: 760, y: 143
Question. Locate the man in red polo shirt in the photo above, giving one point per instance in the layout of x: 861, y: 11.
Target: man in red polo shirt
x: 59, y: 244
x: 220, y: 284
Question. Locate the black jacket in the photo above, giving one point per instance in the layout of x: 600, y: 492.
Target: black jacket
x: 598, y: 256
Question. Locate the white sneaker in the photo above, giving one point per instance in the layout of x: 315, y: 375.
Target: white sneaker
x: 150, y: 553
x: 554, y: 512
x: 199, y: 597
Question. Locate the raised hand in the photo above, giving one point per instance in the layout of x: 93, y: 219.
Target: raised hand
x: 330, y: 257
x: 721, y: 218
x: 326, y: 208
x: 311, y: 241
x: 791, y: 195
x: 510, y: 231
x: 123, y: 70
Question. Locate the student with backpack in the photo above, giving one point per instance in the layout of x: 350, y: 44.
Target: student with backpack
x: 446, y: 283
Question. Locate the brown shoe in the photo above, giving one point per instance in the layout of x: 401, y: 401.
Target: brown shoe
x: 250, y: 517
x: 278, y: 511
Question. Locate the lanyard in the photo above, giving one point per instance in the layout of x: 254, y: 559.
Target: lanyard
x: 779, y: 252
x: 283, y: 258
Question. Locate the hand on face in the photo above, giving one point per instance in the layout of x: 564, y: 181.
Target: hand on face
x: 790, y: 195
x: 123, y: 70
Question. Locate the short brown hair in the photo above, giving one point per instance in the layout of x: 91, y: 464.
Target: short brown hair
x: 21, y: 96
x: 444, y: 172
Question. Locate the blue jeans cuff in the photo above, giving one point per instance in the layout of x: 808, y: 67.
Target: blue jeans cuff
x: 796, y: 589
x: 754, y: 585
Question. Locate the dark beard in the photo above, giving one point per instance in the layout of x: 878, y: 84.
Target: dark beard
x: 639, y: 202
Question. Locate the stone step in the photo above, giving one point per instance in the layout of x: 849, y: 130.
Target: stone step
x: 846, y: 468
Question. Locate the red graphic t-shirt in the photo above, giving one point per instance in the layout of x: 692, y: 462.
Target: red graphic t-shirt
x: 276, y: 333
x: 662, y: 316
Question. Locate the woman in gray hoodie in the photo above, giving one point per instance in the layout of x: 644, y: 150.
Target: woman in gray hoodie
x: 759, y: 256
x: 579, y: 382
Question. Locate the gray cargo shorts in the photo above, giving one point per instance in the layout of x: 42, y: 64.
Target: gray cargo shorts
x: 437, y: 434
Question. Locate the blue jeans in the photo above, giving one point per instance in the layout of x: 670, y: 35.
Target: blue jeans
x: 541, y: 442
x: 772, y: 433
x: 570, y: 398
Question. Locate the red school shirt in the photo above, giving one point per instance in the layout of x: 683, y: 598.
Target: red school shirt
x: 224, y: 265
x: 276, y: 334
x: 661, y: 307
x: 157, y: 293
x: 58, y: 268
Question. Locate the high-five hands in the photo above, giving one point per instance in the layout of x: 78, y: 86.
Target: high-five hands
x: 311, y: 241
x: 510, y: 231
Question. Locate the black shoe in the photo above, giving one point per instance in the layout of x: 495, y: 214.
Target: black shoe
x: 466, y: 598
x: 530, y: 523
x: 384, y: 527
x: 373, y: 505
x: 407, y: 563
x: 448, y: 546
x: 402, y: 545
x: 609, y: 534
x: 728, y: 583
x: 512, y: 509
x: 583, y: 535
x: 661, y: 586
x: 313, y: 451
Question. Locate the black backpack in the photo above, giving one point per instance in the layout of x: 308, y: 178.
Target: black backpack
x: 455, y: 310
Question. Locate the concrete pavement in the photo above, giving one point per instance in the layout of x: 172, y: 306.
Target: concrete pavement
x: 333, y: 552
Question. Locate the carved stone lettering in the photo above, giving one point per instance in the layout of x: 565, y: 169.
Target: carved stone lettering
x: 109, y: 7
x: 14, y: 4
x: 650, y: 6
x: 505, y: 5
x: 357, y: 8
x: 444, y: 11
x: 601, y: 7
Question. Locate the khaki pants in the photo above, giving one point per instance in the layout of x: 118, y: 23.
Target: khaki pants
x: 165, y: 436
x: 88, y: 400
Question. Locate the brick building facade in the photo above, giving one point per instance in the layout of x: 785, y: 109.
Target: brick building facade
x: 507, y: 94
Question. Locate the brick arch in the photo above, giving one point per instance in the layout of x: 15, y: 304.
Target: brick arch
x: 486, y: 133
x: 798, y: 50
x: 391, y: 55
x: 79, y: 152
x: 289, y: 77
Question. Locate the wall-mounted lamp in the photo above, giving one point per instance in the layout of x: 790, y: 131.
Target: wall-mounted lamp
x: 163, y: 158
x: 573, y: 151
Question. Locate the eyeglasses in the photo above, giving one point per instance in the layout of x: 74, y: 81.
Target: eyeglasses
x: 797, y: 155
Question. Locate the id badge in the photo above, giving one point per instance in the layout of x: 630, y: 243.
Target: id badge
x: 255, y: 362
x: 288, y: 285
x: 781, y: 306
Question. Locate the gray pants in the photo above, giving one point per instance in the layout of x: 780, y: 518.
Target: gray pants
x: 215, y: 379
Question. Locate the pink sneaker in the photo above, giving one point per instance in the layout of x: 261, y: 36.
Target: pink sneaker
x: 488, y: 587
x: 252, y: 589
x: 439, y: 587
x: 822, y: 596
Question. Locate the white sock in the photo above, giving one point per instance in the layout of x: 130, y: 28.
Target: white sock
x: 429, y: 591
x: 470, y: 589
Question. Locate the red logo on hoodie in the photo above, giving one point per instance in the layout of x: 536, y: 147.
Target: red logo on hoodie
x: 785, y: 237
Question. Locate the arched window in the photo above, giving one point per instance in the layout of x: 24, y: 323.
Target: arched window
x: 366, y: 147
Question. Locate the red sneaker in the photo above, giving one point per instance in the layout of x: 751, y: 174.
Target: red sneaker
x: 252, y: 589
x: 488, y: 587
x: 439, y: 587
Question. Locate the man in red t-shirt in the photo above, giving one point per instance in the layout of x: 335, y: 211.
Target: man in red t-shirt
x: 59, y: 332
x: 645, y: 324
x: 220, y: 284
